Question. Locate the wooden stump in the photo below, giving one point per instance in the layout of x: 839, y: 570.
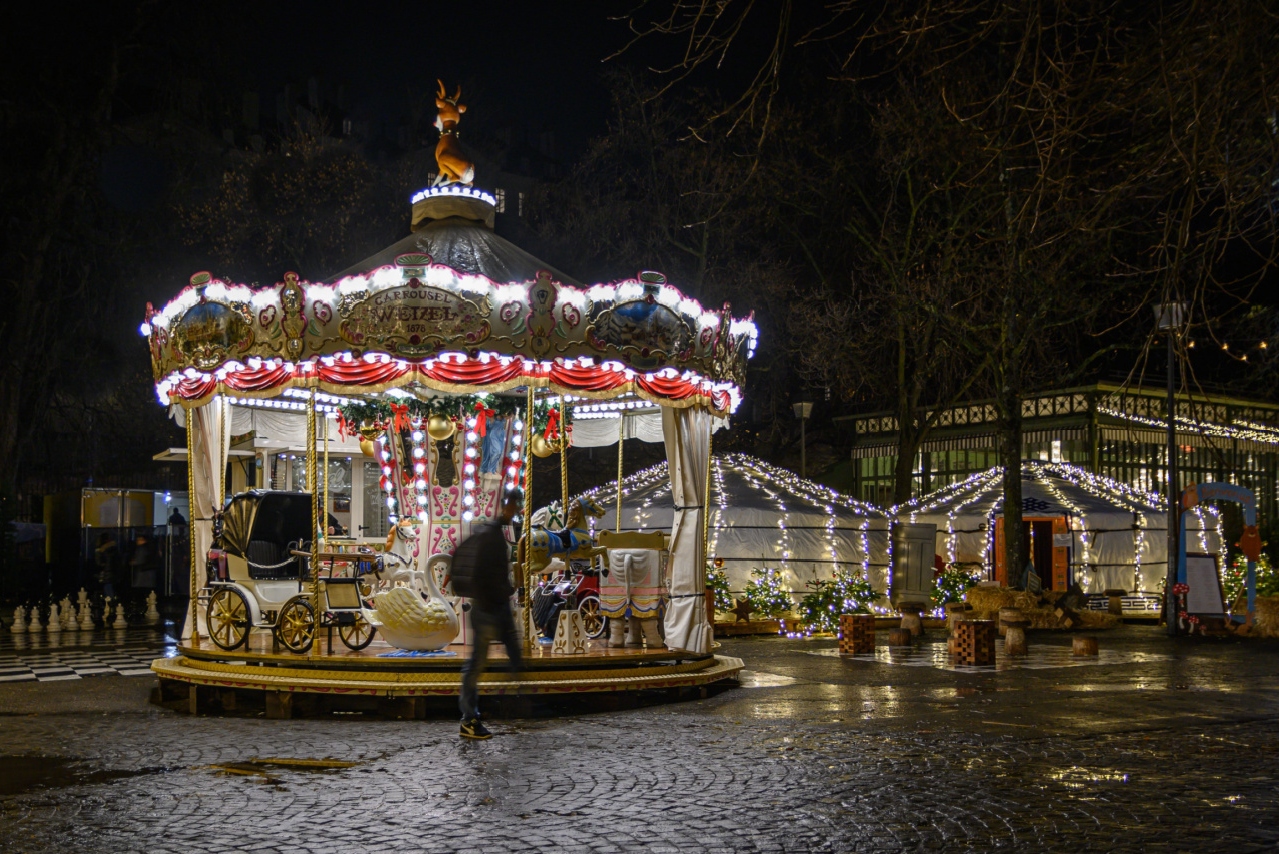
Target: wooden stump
x: 900, y: 637
x: 955, y: 612
x: 856, y: 634
x: 1115, y: 601
x: 912, y: 624
x: 975, y: 642
x: 1008, y: 617
x: 1084, y: 646
x: 1014, y: 640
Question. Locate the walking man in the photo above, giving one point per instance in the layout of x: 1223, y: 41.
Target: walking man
x: 487, y: 559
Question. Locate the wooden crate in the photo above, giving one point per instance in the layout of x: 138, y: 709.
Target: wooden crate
x: 856, y: 634
x: 975, y: 642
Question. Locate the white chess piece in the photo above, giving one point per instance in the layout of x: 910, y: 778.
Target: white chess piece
x: 19, y: 620
x: 55, y: 619
x: 86, y: 618
x: 34, y: 626
x: 120, y: 621
x: 152, y: 615
x: 106, y: 612
x: 68, y: 615
x: 82, y: 598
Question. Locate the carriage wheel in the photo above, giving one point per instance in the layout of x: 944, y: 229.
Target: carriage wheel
x: 592, y: 619
x: 296, y: 626
x: 357, y: 635
x: 227, y: 618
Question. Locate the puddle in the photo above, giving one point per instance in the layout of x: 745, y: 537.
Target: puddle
x: 19, y: 774
x: 759, y: 679
x: 263, y: 768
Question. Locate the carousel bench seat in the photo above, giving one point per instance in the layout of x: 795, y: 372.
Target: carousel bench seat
x: 264, y: 553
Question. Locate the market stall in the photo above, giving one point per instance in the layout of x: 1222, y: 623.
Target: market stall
x: 1085, y: 531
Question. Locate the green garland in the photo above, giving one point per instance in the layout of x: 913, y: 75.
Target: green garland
x: 1235, y: 580
x: 455, y: 406
x: 845, y: 593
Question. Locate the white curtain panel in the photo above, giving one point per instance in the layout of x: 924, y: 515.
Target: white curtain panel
x: 212, y: 444
x: 687, y: 433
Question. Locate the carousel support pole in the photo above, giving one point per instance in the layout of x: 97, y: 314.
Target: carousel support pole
x: 311, y: 484
x: 224, y: 427
x: 324, y: 517
x: 621, y: 440
x: 525, y: 527
x: 563, y: 462
x: 706, y: 508
x: 191, y: 510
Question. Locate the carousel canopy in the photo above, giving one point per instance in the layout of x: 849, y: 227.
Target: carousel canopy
x: 1117, y: 533
x: 762, y: 515
x: 458, y: 310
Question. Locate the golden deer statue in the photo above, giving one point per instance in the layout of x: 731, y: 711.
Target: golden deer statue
x: 453, y: 165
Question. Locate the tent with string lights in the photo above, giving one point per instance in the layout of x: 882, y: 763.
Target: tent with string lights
x: 1105, y: 535
x: 764, y: 516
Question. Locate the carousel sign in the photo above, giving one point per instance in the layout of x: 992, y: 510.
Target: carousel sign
x: 414, y: 320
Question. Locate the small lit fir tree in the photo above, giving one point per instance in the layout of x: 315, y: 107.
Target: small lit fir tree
x: 767, y: 592
x: 951, y: 586
x: 717, y: 581
x: 845, y: 593
x: 1234, y: 580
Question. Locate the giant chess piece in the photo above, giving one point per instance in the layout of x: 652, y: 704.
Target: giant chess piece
x: 106, y: 612
x: 82, y: 598
x: 19, y: 620
x: 68, y: 615
x: 152, y: 615
x: 86, y: 618
x: 55, y: 619
x: 34, y: 626
x: 120, y: 621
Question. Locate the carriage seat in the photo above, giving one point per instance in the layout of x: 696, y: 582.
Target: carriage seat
x: 265, y: 553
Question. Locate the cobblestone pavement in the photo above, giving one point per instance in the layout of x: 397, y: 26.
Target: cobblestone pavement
x: 812, y: 753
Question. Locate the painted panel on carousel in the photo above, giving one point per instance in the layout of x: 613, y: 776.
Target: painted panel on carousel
x: 412, y: 320
x: 646, y: 333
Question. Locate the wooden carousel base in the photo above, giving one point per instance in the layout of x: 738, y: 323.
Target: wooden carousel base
x: 384, y: 673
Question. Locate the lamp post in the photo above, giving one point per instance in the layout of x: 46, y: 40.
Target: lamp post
x: 802, y: 411
x: 1169, y: 317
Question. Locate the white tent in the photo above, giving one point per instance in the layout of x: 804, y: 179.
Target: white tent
x: 1117, y: 535
x: 762, y: 515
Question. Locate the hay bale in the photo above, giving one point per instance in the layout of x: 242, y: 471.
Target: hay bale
x: 1098, y: 620
x: 988, y: 599
x: 1266, y: 624
x: 1025, y: 601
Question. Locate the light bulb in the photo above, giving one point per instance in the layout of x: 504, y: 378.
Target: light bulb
x: 417, y: 435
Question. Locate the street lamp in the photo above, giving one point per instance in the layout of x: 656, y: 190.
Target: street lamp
x: 1169, y: 318
x: 802, y: 411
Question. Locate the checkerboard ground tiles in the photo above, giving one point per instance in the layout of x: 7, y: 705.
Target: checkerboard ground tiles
x: 1041, y: 657
x: 59, y: 665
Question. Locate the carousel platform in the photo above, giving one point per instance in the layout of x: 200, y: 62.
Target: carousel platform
x: 205, y: 678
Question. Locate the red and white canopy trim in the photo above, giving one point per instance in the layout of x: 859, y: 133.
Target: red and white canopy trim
x: 417, y: 322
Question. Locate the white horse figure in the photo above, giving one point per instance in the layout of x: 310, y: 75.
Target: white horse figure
x: 399, y: 561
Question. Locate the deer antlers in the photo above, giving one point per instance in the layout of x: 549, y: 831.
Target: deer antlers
x: 442, y: 94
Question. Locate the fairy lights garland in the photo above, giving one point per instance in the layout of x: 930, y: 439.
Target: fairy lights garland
x: 418, y: 477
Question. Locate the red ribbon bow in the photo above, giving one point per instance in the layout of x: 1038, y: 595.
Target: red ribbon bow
x: 552, y: 425
x: 482, y: 415
x: 342, y: 425
x: 401, y: 412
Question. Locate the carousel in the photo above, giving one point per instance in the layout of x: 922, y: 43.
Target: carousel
x: 447, y: 359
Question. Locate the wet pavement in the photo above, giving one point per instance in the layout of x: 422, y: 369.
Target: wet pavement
x: 1161, y: 746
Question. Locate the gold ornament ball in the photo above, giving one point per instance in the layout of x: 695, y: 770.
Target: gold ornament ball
x: 540, y: 447
x: 439, y: 428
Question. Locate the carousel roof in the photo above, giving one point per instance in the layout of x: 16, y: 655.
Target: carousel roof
x: 762, y: 515
x: 465, y: 245
x: 458, y: 310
